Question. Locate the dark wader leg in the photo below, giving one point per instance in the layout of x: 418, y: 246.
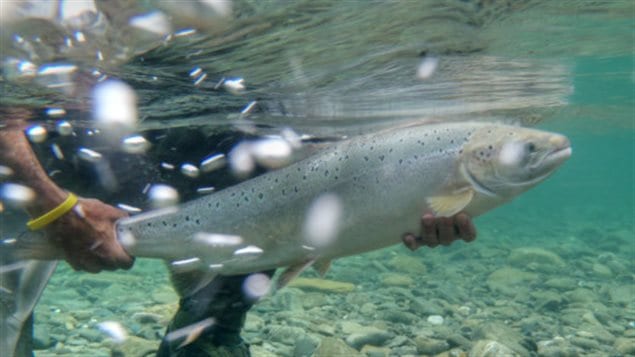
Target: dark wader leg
x: 24, y: 347
x: 222, y: 300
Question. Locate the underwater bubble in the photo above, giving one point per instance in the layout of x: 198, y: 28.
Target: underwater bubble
x: 161, y: 195
x: 16, y: 195
x: 167, y: 166
x: 114, y: 330
x: 322, y: 221
x: 114, y: 104
x: 256, y: 286
x: 57, y: 75
x: 249, y: 107
x: 185, y: 32
x: 64, y: 128
x: 5, y: 171
x: 427, y: 67
x: 512, y: 153
x: 205, y: 190
x: 213, y: 162
x: 155, y: 22
x: 190, y: 170
x: 272, y: 153
x: 200, y: 79
x: 55, y: 112
x: 57, y: 152
x: 240, y: 159
x: 196, y: 71
x: 135, y: 144
x: 234, y: 85
x: 36, y: 134
x: 249, y: 250
x: 128, y: 208
x: 185, y: 262
x: 218, y: 240
x: 292, y: 138
x: 89, y: 155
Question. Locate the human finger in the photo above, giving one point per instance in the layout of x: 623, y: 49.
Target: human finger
x: 445, y: 227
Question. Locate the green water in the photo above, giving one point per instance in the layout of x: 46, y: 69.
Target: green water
x: 320, y: 69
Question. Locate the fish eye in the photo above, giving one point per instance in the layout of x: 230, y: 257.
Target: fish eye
x: 531, y: 147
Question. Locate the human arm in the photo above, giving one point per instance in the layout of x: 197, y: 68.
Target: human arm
x: 86, y: 233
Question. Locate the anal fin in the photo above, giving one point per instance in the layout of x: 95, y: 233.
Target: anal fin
x: 292, y: 272
x: 322, y: 266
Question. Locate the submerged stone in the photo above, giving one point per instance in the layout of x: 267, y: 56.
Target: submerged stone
x: 489, y: 348
x: 537, y: 258
x: 407, y: 264
x: 332, y: 346
x: 509, y: 281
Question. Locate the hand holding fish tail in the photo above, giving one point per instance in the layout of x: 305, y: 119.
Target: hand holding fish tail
x: 441, y: 231
x: 87, y: 236
x: 82, y: 228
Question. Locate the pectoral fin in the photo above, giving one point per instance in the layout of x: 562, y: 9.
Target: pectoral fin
x: 451, y: 204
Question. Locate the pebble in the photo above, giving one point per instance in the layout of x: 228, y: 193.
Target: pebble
x: 625, y: 346
x: 489, y: 348
x: 368, y: 336
x: 435, y: 319
x: 332, y: 346
x: 430, y: 346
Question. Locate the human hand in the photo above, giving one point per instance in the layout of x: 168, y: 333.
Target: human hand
x: 441, y: 230
x: 87, y: 236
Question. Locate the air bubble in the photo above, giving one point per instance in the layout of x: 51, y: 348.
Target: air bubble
x: 322, y: 221
x: 36, y: 134
x: 135, y: 144
x: 16, y: 195
x: 213, y: 162
x: 161, y: 195
x: 256, y: 286
x: 64, y: 128
x: 89, y: 155
x: 190, y: 170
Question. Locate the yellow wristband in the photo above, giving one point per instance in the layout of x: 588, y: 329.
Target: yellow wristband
x: 50, y: 216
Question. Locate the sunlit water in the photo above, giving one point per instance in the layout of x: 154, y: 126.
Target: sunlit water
x: 332, y: 69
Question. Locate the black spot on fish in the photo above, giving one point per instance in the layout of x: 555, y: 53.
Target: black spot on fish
x: 187, y: 218
x: 217, y: 204
x: 304, y: 177
x: 336, y: 177
x: 295, y: 188
x: 260, y: 195
x: 246, y: 199
x: 390, y: 150
x: 284, y: 192
x: 381, y: 157
x: 233, y: 194
x: 400, y: 161
x: 366, y: 158
x: 438, y: 138
x: 490, y: 147
x: 174, y: 225
x: 326, y: 173
x: 198, y: 221
x: 237, y: 204
x: 149, y: 225
x: 165, y: 223
x: 371, y: 148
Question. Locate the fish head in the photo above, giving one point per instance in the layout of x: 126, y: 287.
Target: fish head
x: 505, y: 161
